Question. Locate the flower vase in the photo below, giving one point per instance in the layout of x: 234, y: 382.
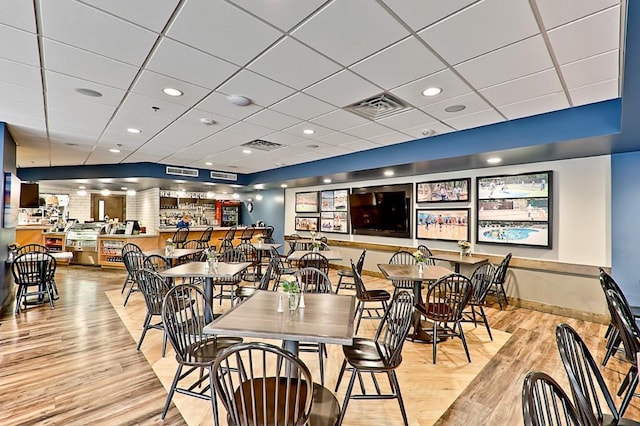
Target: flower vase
x: 212, y: 264
x: 294, y: 300
x: 168, y: 250
x: 464, y: 252
x: 420, y: 268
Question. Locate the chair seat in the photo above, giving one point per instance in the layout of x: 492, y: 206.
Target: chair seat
x: 437, y: 311
x: 207, y: 351
x: 325, y: 409
x: 245, y: 291
x: 377, y: 295
x: 365, y: 354
x: 345, y: 273
x: 607, y: 420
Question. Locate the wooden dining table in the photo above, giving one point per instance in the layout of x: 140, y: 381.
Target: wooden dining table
x: 430, y: 273
x: 262, y: 248
x: 456, y: 259
x: 326, y: 318
x: 173, y: 257
x: 224, y: 271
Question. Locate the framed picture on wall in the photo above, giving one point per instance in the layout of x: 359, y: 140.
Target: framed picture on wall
x: 306, y: 223
x: 445, y: 224
x: 515, y: 209
x: 334, y: 222
x: 444, y: 191
x: 334, y: 213
x: 307, y: 202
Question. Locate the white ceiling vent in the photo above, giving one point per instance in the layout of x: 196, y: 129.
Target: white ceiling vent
x: 181, y: 171
x: 262, y: 145
x: 377, y: 107
x: 224, y: 176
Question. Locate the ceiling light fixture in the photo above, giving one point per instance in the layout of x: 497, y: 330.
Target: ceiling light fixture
x: 428, y: 132
x: 210, y: 194
x: 124, y: 188
x: 235, y: 196
x: 131, y: 192
x: 179, y: 181
x: 134, y: 131
x: 308, y: 131
x: 82, y: 192
x: 259, y: 186
x: 313, y: 146
x: 246, y: 151
x: 388, y: 173
x: 259, y: 197
x: 284, y: 185
x: 208, y: 121
x: 494, y: 160
x: 82, y: 187
x: 105, y: 192
x: 172, y: 92
x: 208, y: 163
x: 114, y: 150
x: 431, y: 91
x: 455, y: 108
x: 239, y: 100
x: 88, y: 92
x: 327, y: 180
x: 82, y: 180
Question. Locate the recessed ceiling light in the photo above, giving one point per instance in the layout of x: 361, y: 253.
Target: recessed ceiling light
x: 428, y: 132
x: 124, y: 188
x: 239, y: 100
x: 494, y: 160
x: 210, y: 194
x: 246, y: 151
x: 455, y: 108
x: 208, y: 163
x: 105, y: 192
x: 259, y: 197
x: 208, y: 121
x: 71, y: 144
x: 114, y: 150
x: 210, y: 183
x: 235, y: 185
x: 284, y: 185
x: 259, y: 186
x: 179, y: 181
x: 431, y: 91
x: 235, y: 195
x: 106, y: 180
x: 134, y: 131
x: 131, y: 192
x: 89, y: 92
x: 388, y: 173
x: 327, y: 180
x: 313, y: 146
x: 82, y: 187
x: 172, y: 92
x: 82, y: 180
x: 82, y: 192
x: 308, y: 131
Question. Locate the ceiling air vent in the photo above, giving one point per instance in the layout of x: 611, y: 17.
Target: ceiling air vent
x: 181, y: 171
x: 262, y: 145
x: 224, y: 176
x: 377, y: 107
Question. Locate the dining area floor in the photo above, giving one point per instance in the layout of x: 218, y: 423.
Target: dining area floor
x: 78, y: 364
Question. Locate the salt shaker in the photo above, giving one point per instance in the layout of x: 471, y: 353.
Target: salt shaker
x: 301, y: 302
x: 280, y: 307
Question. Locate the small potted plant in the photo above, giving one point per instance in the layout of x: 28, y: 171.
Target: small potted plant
x: 212, y: 259
x: 292, y: 290
x: 421, y: 258
x: 169, y: 247
x: 465, y: 246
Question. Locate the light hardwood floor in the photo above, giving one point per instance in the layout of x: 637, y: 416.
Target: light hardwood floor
x: 77, y: 364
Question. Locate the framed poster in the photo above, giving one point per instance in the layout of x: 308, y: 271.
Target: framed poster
x: 334, y: 222
x: 307, y: 202
x: 445, y: 224
x: 334, y: 211
x: 515, y: 209
x: 306, y: 223
x: 444, y: 191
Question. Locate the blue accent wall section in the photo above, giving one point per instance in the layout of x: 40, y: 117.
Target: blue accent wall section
x: 270, y: 210
x: 7, y: 235
x: 625, y: 226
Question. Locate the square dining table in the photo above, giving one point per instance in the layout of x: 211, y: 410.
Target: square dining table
x: 430, y: 273
x: 224, y: 271
x: 326, y: 318
x: 456, y: 259
x: 173, y: 257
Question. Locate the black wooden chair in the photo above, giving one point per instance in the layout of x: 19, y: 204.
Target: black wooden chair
x: 545, y: 403
x: 499, y: 279
x: 156, y: 262
x: 402, y: 258
x: 126, y: 249
x: 247, y: 233
x: 244, y: 291
x: 33, y: 274
x: 482, y: 279
x: 314, y: 260
x: 382, y: 354
x: 427, y: 254
x: 365, y: 296
x: 133, y: 261
x: 153, y: 287
x: 31, y: 248
x: 180, y: 237
x: 279, y: 268
x: 206, y: 237
x: 230, y: 256
x: 348, y: 273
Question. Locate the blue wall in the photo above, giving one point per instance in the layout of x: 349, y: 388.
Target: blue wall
x: 7, y: 235
x: 270, y: 210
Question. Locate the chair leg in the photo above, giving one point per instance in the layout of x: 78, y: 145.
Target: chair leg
x: 214, y: 402
x: 50, y: 293
x: 630, y: 391
x: 464, y: 341
x: 486, y: 322
x: 145, y: 327
x: 435, y: 339
x: 612, y: 344
x: 126, y: 280
x: 339, y: 282
x: 396, y: 386
x: 126, y: 299
x: 172, y: 390
x: 360, y: 309
x: 344, y: 367
x: 164, y: 343
x: 346, y: 398
x: 18, y: 298
x: 321, y: 350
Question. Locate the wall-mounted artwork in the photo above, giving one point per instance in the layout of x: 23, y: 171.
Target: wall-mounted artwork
x: 515, y: 209
x: 334, y: 222
x: 306, y: 223
x: 307, y: 202
x: 334, y: 214
x: 449, y: 224
x: 444, y: 191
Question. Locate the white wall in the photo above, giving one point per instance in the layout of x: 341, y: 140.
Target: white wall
x: 147, y: 209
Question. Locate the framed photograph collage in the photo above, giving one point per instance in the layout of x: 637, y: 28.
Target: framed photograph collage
x: 444, y: 191
x: 515, y: 209
x: 443, y: 224
x: 334, y: 216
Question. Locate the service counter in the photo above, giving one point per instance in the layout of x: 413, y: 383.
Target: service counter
x: 110, y: 247
x: 195, y: 232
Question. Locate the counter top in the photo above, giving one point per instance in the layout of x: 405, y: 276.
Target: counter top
x: 108, y: 236
x: 29, y: 227
x: 202, y: 228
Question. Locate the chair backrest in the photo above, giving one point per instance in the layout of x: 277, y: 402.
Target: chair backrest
x: 231, y: 233
x: 261, y: 384
x: 584, y: 376
x: 233, y: 256
x: 206, y: 235
x: 133, y: 261
x: 629, y: 333
x: 180, y: 236
x: 183, y: 314
x: 322, y: 246
x: 247, y: 233
x: 427, y: 254
x: 153, y: 287
x: 130, y: 247
x: 250, y: 252
x: 156, y: 262
x: 501, y: 272
x: 447, y: 297
x: 324, y: 239
x: 192, y: 244
x: 361, y: 290
x: 225, y: 245
x: 360, y: 263
x: 31, y: 248
x: 314, y: 260
x: 265, y: 279
x: 313, y: 280
x: 544, y: 402
x: 269, y: 231
x: 403, y: 258
x: 33, y: 268
x: 482, y: 278
x: 394, y: 327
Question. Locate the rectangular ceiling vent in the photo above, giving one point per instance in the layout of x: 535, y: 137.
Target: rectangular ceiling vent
x: 181, y: 171
x: 377, y: 107
x: 224, y: 176
x: 262, y: 145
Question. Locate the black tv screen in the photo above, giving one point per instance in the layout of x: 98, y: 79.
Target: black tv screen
x: 29, y: 195
x: 380, y: 213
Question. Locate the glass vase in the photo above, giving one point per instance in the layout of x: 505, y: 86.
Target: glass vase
x: 420, y: 267
x: 294, y: 300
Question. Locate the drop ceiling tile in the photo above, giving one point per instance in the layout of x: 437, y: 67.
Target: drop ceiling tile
x: 19, y: 46
x: 64, y: 85
x: 68, y: 139
x: 391, y: 139
x: 19, y: 14
x: 433, y: 129
x: 218, y: 103
x: 79, y: 63
x: 12, y: 94
x: 90, y: 129
x: 283, y: 138
x: 223, y: 30
x: 284, y: 14
x: 401, y: 63
x: 476, y: 119
x: 243, y: 132
x: 407, y: 120
x: 481, y: 28
x: 150, y: 14
x: 144, y: 156
x: 419, y: 14
x: 339, y: 119
x: 297, y: 129
x: 341, y: 31
x: 338, y: 138
x: 595, y: 92
x: 20, y: 74
x: 151, y: 84
x: 33, y: 121
x: 64, y: 108
x: 101, y: 155
x: 148, y: 123
x: 361, y: 145
x: 520, y: 89
x: 217, y: 143
x: 82, y: 26
x: 261, y: 90
x: 368, y: 130
x: 343, y: 88
x: 185, y: 63
x: 293, y: 64
x: 555, y: 13
x: 586, y: 37
x: 472, y: 102
x: 548, y: 103
x: 516, y: 60
x: 303, y: 106
x: 61, y: 155
x: 591, y: 70
x: 451, y: 85
x: 194, y: 116
x: 145, y: 104
x: 183, y: 133
x: 272, y: 119
x: 31, y: 156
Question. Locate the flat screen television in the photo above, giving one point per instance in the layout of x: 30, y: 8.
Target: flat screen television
x: 384, y: 213
x: 29, y: 195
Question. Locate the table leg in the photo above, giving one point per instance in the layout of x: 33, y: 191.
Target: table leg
x: 208, y: 296
x: 259, y: 266
x: 292, y: 346
x: 418, y: 333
